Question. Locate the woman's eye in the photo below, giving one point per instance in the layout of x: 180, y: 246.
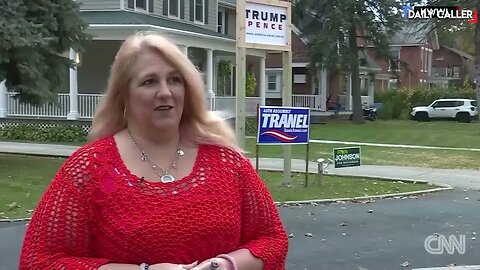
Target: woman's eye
x: 174, y: 80
x: 148, y: 82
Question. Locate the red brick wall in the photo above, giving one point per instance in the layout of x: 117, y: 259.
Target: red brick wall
x: 450, y: 59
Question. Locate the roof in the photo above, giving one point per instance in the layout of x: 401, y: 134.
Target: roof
x: 417, y: 32
x: 367, y: 61
x: 123, y: 17
x: 459, y: 52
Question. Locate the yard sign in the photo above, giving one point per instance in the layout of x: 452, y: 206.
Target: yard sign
x: 347, y: 157
x: 283, y: 125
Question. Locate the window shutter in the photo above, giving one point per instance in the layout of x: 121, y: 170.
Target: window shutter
x: 165, y: 7
x: 225, y: 26
x: 130, y: 4
x: 205, y: 20
x: 192, y: 10
x: 150, y: 6
x: 182, y: 9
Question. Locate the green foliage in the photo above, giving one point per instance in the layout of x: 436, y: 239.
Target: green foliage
x: 251, y: 126
x: 34, y: 43
x: 325, y: 24
x: 397, y: 104
x: 251, y: 84
x: 224, y: 79
x: 26, y: 132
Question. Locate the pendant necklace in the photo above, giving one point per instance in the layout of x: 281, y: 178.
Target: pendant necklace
x: 165, y: 176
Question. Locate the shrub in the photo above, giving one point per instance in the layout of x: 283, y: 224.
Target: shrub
x: 25, y: 132
x: 397, y: 103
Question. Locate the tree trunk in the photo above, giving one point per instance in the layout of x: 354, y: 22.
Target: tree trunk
x: 357, y: 116
x: 477, y: 56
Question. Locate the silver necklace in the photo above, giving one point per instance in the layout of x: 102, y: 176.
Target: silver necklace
x: 165, y: 176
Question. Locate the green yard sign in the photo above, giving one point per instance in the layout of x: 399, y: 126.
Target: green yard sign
x: 347, y: 157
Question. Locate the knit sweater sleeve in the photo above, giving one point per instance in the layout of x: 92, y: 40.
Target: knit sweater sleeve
x: 262, y: 231
x: 58, y: 236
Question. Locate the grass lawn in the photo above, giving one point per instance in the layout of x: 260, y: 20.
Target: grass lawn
x: 333, y: 187
x: 446, y: 134
x: 23, y: 180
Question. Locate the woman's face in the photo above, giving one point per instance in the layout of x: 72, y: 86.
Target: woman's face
x: 156, y: 93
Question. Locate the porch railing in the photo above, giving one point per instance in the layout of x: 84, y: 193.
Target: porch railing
x: 307, y: 101
x: 87, y: 104
x: 58, y: 110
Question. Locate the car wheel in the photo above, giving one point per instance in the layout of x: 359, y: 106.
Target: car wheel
x: 422, y: 117
x: 463, y: 117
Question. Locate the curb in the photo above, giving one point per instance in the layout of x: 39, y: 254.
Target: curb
x: 383, y: 196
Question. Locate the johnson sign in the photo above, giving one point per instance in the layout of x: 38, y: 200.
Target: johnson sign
x: 266, y: 24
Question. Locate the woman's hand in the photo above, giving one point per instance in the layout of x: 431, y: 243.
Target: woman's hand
x: 171, y: 266
x: 207, y: 265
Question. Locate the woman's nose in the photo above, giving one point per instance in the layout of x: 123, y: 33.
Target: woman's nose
x: 163, y: 90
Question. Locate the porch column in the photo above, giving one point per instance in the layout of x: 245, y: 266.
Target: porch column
x: 371, y: 91
x: 184, y: 49
x: 73, y: 114
x: 262, y: 81
x: 323, y: 91
x: 3, y: 100
x: 348, y: 98
x: 209, y: 75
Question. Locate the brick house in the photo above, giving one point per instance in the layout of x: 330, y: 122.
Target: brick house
x: 451, y: 67
x: 312, y: 86
x: 412, y: 49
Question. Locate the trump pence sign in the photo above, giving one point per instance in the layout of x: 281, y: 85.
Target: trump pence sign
x: 266, y: 24
x: 283, y: 125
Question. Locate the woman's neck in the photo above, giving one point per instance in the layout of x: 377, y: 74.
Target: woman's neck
x: 151, y: 140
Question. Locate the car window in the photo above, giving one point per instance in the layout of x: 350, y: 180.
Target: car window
x: 460, y: 103
x: 474, y: 103
x: 440, y: 104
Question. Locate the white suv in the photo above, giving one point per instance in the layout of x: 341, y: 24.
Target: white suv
x: 463, y: 110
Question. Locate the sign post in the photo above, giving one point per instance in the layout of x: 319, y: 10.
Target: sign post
x: 264, y: 25
x: 284, y: 126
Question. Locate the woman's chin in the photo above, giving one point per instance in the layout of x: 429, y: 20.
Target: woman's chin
x: 165, y: 125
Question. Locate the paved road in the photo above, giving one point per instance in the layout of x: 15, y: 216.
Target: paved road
x: 384, y: 239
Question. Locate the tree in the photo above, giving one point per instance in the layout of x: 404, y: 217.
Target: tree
x: 334, y: 29
x: 34, y: 43
x: 461, y: 25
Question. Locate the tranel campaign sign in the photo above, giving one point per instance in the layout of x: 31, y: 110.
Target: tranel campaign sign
x: 266, y: 24
x: 283, y: 125
x: 347, y: 157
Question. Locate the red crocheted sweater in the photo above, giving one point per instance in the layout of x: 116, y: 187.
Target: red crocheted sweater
x: 96, y: 211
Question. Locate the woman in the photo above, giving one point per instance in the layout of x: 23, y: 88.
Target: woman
x: 162, y: 185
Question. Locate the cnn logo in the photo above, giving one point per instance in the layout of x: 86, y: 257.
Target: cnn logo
x: 438, y: 244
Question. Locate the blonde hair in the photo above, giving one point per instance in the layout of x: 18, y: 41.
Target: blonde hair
x: 197, y: 125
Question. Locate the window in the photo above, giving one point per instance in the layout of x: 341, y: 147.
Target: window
x: 220, y: 27
x: 456, y: 72
x: 392, y: 83
x: 199, y: 10
x: 174, y: 8
x: 474, y: 103
x: 222, y: 22
x: 299, y: 78
x: 395, y: 61
x: 272, y: 85
x: 141, y: 4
